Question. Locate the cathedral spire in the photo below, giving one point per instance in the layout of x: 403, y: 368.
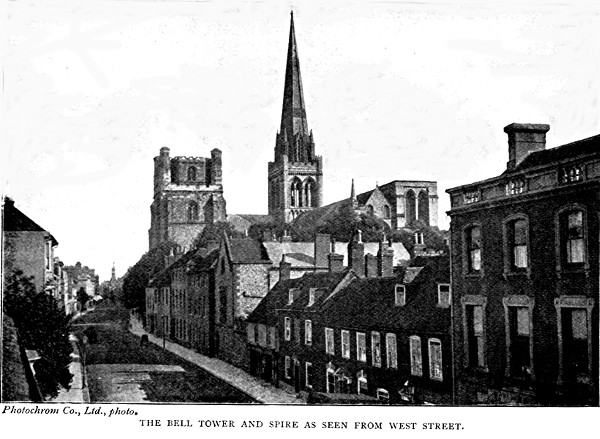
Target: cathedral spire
x: 293, y: 114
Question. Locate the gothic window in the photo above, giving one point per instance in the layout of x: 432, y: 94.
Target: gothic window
x: 309, y: 193
x: 192, y: 211
x: 423, y: 210
x: 191, y: 173
x: 370, y: 210
x: 411, y: 205
x: 296, y: 193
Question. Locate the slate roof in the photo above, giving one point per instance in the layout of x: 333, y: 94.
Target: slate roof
x: 583, y: 147
x: 247, y: 251
x: 369, y: 302
x: 17, y: 221
x: 277, y: 298
x: 301, y: 254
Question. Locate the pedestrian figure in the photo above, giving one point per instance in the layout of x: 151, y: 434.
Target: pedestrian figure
x: 144, y: 340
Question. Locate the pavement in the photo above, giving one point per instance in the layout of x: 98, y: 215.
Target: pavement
x: 123, y: 382
x: 261, y: 391
x: 78, y: 391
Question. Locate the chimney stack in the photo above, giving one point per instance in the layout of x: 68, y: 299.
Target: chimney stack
x: 321, y: 249
x: 385, y: 259
x: 523, y: 139
x: 285, y: 269
x: 336, y: 261
x: 370, y: 265
x: 356, y: 254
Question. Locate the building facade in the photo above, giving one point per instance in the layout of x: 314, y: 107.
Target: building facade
x: 525, y: 268
x: 188, y: 195
x: 28, y: 248
x: 295, y: 176
x: 362, y: 334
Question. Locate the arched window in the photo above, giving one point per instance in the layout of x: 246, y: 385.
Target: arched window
x: 309, y: 193
x: 370, y: 210
x: 423, y: 211
x: 191, y: 173
x: 296, y: 193
x: 411, y: 214
x: 192, y: 211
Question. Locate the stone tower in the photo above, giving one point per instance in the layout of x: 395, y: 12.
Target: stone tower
x: 188, y: 195
x: 296, y: 175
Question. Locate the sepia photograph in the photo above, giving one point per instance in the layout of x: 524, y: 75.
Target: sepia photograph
x: 267, y: 217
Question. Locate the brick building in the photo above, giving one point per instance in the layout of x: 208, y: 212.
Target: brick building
x: 188, y: 195
x: 28, y: 247
x: 525, y: 267
x: 358, y: 334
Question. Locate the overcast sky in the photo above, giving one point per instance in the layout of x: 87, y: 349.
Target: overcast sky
x: 394, y: 90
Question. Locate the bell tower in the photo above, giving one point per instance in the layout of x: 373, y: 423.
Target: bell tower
x: 295, y: 178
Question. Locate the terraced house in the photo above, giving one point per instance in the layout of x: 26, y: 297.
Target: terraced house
x: 359, y: 334
x: 525, y: 267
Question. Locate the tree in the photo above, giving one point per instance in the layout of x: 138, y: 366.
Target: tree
x: 82, y: 297
x: 137, y: 277
x: 41, y: 326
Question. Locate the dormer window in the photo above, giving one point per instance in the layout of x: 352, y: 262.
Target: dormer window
x: 292, y: 294
x: 571, y: 174
x: 311, y: 297
x: 400, y: 295
x: 471, y: 197
x: 515, y: 187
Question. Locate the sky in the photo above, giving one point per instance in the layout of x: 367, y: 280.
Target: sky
x: 393, y: 90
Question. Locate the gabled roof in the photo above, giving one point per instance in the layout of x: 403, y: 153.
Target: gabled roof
x: 277, y: 298
x: 17, y: 221
x: 246, y: 251
x: 369, y: 302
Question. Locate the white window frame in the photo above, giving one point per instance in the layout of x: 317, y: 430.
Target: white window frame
x: 383, y: 395
x: 345, y: 343
x: 400, y: 295
x: 430, y: 344
x: 440, y: 303
x: 361, y: 348
x: 287, y: 328
x: 306, y: 375
x: 391, y: 354
x: 329, y: 341
x: 416, y: 361
x: 375, y: 356
x: 307, y: 332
